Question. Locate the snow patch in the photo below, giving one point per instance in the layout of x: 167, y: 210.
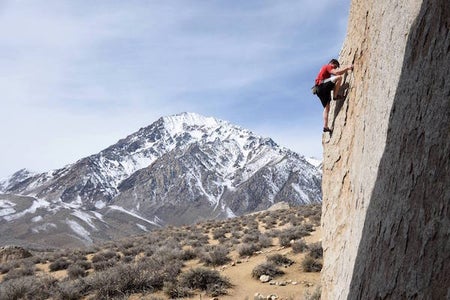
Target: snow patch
x: 37, y: 219
x: 230, y: 213
x: 313, y: 161
x: 85, y: 217
x: 6, y: 208
x: 79, y: 230
x: 176, y: 124
x: 37, y: 203
x: 158, y: 221
x: 302, y: 194
x: 7, y: 211
x: 99, y: 204
x: 98, y: 215
x: 115, y: 207
x: 43, y: 227
x: 142, y: 227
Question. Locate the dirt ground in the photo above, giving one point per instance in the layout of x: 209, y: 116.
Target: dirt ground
x: 299, y: 284
x: 245, y: 287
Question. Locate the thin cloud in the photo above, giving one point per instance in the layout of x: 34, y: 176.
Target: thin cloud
x: 77, y: 76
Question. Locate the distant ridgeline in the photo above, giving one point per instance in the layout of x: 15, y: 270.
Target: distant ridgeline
x: 179, y: 170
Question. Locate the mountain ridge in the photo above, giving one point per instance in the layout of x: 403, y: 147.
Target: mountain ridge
x: 178, y: 170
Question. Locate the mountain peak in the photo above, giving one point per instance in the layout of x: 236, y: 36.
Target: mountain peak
x: 18, y: 176
x: 180, y: 169
x: 178, y: 123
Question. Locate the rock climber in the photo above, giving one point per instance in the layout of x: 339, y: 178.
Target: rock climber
x: 329, y: 79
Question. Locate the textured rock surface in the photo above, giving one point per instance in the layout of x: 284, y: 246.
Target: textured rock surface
x: 386, y: 169
x: 11, y: 253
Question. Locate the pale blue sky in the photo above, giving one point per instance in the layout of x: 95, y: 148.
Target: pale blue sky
x: 76, y: 76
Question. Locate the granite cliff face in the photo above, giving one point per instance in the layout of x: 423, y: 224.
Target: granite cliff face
x: 386, y: 169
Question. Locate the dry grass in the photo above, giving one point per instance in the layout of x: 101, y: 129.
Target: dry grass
x: 224, y: 258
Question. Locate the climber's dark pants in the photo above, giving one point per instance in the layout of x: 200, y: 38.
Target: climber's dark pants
x: 324, y: 92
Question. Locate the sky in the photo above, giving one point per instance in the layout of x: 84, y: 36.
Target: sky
x: 77, y: 76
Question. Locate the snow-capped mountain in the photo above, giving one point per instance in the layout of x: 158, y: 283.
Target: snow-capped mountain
x: 178, y: 170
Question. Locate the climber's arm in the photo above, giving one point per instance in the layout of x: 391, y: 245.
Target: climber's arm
x: 341, y: 71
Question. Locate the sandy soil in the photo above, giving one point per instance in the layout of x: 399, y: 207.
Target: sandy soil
x: 298, y: 284
x: 245, y: 287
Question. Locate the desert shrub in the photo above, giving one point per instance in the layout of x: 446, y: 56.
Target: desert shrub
x: 28, y: 287
x: 308, y: 227
x: 315, y: 219
x: 103, y: 265
x: 222, y: 240
x: 277, y: 214
x: 105, y: 260
x: 252, y: 224
x: 264, y: 241
x: 234, y: 241
x: 149, y: 250
x: 260, y: 216
x: 236, y: 234
x: 310, y: 264
x: 294, y: 220
x: 197, y: 239
x: 279, y: 260
x: 76, y: 256
x: 269, y: 224
x: 76, y: 271
x: 315, y: 250
x: 105, y: 256
x: 309, y: 211
x: 293, y: 233
x: 4, y: 268
x: 215, y: 256
x: 127, y: 259
x: 108, y: 284
x: 90, y: 250
x: 283, y: 222
x: 52, y: 256
x: 168, y: 253
x: 175, y: 291
x: 219, y: 233
x: 188, y: 254
x: 206, y: 280
x: 38, y: 260
x: 132, y: 251
x: 70, y: 290
x: 23, y: 270
x: 251, y: 236
x: 127, y: 244
x: 86, y: 265
x: 316, y: 295
x: 299, y: 246
x: 273, y: 233
x: 126, y: 279
x: 59, y: 264
x: 267, y: 268
x: 160, y: 269
x: 248, y: 249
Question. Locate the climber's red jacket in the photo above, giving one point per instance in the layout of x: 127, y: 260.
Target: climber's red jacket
x: 324, y: 73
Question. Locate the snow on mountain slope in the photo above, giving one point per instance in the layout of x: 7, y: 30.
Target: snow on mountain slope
x: 180, y: 169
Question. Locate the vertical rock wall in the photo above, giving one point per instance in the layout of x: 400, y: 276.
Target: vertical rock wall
x: 386, y: 171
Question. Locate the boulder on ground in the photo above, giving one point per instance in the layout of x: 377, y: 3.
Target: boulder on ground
x: 9, y: 253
